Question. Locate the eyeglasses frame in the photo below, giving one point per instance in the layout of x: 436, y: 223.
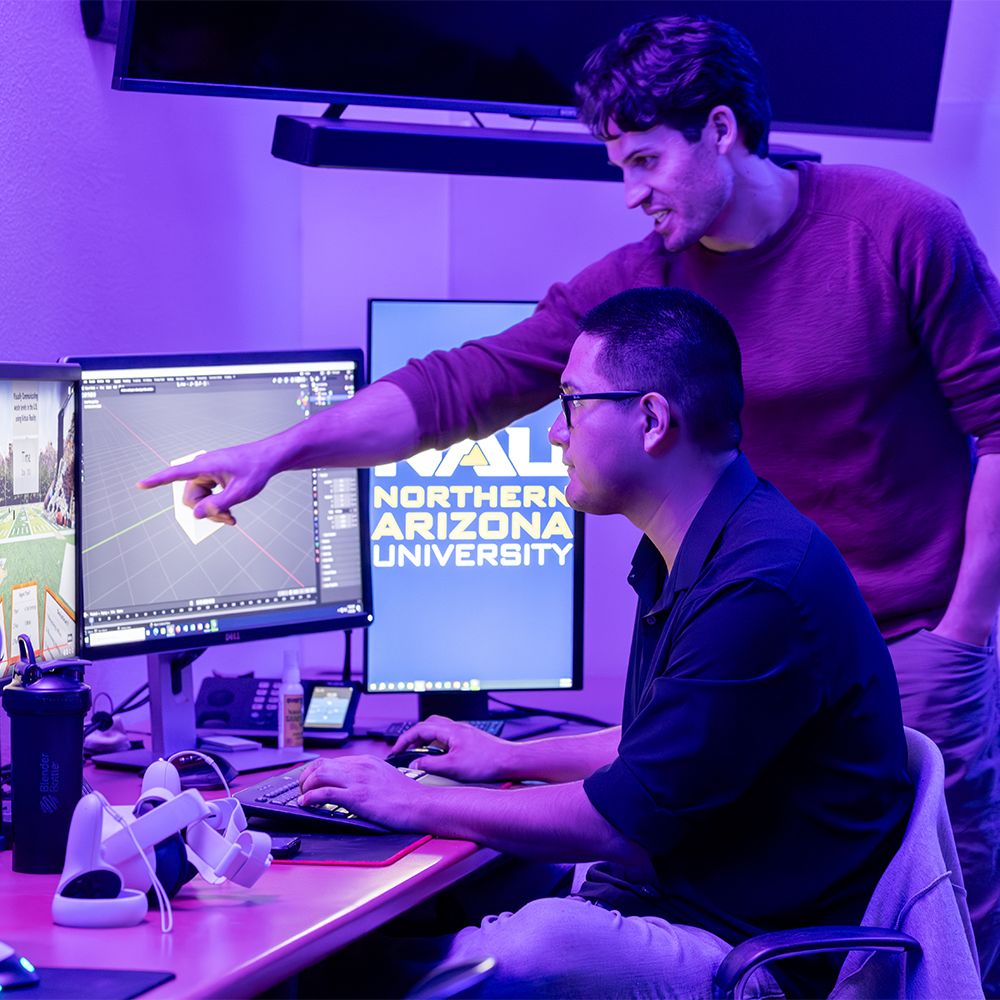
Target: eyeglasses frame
x: 565, y: 398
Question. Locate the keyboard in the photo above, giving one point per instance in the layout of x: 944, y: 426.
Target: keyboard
x: 492, y: 726
x: 275, y: 798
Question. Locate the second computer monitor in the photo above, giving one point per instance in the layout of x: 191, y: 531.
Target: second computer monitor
x: 477, y: 558
x: 38, y: 596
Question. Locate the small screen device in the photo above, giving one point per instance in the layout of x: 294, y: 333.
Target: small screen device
x: 329, y: 711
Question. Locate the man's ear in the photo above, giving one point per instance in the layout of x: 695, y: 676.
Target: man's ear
x: 657, y: 422
x: 723, y: 128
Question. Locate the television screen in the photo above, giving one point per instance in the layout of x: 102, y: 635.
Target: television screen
x: 837, y: 66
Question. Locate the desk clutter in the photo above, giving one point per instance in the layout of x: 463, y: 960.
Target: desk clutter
x: 108, y: 873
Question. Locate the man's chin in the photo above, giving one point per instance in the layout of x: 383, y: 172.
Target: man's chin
x: 673, y: 243
x: 586, y: 505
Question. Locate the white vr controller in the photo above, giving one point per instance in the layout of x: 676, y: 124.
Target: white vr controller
x: 113, y: 852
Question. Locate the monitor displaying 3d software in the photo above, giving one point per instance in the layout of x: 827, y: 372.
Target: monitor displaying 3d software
x: 476, y: 556
x: 156, y: 579
x: 38, y: 519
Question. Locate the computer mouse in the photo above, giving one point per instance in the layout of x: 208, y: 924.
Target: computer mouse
x: 14, y: 970
x: 406, y: 757
x: 196, y: 773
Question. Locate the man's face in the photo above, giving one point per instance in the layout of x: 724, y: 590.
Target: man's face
x: 599, y: 449
x: 683, y: 186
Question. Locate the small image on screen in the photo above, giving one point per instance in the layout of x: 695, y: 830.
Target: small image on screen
x: 328, y: 707
x: 37, y: 519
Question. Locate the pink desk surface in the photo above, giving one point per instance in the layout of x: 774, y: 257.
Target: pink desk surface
x: 229, y: 941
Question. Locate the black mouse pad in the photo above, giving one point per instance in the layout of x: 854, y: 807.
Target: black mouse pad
x: 348, y: 849
x: 91, y: 984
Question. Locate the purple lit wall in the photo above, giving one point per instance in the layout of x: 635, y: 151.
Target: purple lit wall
x: 144, y: 222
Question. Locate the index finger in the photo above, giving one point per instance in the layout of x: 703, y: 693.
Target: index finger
x: 171, y: 474
x: 422, y: 733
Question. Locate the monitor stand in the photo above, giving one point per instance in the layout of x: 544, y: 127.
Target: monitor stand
x: 172, y: 718
x: 458, y: 705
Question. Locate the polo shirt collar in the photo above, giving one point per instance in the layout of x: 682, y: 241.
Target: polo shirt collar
x: 648, y: 568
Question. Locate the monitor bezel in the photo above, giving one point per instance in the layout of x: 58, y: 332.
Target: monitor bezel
x: 560, y: 112
x: 227, y: 637
x: 61, y: 371
x: 579, y: 533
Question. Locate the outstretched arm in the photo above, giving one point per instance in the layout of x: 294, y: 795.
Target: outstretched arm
x: 973, y: 607
x: 377, y: 425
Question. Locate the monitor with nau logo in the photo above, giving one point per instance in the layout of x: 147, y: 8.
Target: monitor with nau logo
x: 477, y: 559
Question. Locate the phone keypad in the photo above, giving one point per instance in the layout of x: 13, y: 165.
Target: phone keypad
x: 264, y: 706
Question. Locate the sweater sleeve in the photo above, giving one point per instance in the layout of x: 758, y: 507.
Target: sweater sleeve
x: 480, y: 387
x: 953, y: 302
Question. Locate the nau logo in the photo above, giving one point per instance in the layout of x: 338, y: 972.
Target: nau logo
x: 486, y: 458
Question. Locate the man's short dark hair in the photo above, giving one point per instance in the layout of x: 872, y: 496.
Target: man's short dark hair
x: 674, y: 342
x: 672, y: 71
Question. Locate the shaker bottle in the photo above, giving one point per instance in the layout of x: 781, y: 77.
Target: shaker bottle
x: 46, y: 704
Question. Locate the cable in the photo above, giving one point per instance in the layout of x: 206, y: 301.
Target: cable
x: 104, y: 694
x: 523, y: 710
x: 208, y: 760
x: 166, y: 911
x: 104, y: 720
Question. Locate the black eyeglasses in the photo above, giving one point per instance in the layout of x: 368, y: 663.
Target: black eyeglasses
x: 567, y: 398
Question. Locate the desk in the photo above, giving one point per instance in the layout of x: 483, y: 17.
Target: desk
x: 229, y: 941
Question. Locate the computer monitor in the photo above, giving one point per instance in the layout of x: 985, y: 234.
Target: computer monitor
x: 477, y: 559
x: 157, y: 581
x: 38, y: 503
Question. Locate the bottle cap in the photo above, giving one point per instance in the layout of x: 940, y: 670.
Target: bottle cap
x: 290, y: 672
x: 54, y: 688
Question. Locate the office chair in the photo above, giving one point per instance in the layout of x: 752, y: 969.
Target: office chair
x: 915, y: 940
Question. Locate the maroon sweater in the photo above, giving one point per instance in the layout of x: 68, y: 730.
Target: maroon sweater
x: 870, y: 331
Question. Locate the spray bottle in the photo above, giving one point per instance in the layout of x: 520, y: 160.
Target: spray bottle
x: 290, y: 697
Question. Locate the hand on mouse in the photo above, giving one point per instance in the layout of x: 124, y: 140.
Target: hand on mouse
x: 472, y: 755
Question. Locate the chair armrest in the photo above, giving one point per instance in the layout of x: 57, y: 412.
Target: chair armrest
x: 755, y: 951
x: 452, y: 980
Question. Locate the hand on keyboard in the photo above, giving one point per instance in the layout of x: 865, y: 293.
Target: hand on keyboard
x: 365, y: 786
x: 473, y: 755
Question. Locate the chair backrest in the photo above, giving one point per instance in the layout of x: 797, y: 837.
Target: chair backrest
x: 921, y: 893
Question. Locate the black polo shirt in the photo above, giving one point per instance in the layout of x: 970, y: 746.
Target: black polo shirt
x: 762, y: 760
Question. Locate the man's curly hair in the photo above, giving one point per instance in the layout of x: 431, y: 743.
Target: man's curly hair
x: 672, y: 71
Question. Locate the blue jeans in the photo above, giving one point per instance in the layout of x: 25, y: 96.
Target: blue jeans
x: 576, y: 949
x: 950, y: 690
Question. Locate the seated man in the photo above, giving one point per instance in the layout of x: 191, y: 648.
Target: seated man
x: 758, y: 779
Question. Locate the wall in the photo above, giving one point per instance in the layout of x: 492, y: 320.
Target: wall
x: 142, y: 222
x: 135, y: 222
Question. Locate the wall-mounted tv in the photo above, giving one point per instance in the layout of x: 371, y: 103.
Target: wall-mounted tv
x: 840, y: 66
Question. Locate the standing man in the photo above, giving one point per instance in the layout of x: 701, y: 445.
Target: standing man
x: 758, y: 778
x: 869, y: 325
